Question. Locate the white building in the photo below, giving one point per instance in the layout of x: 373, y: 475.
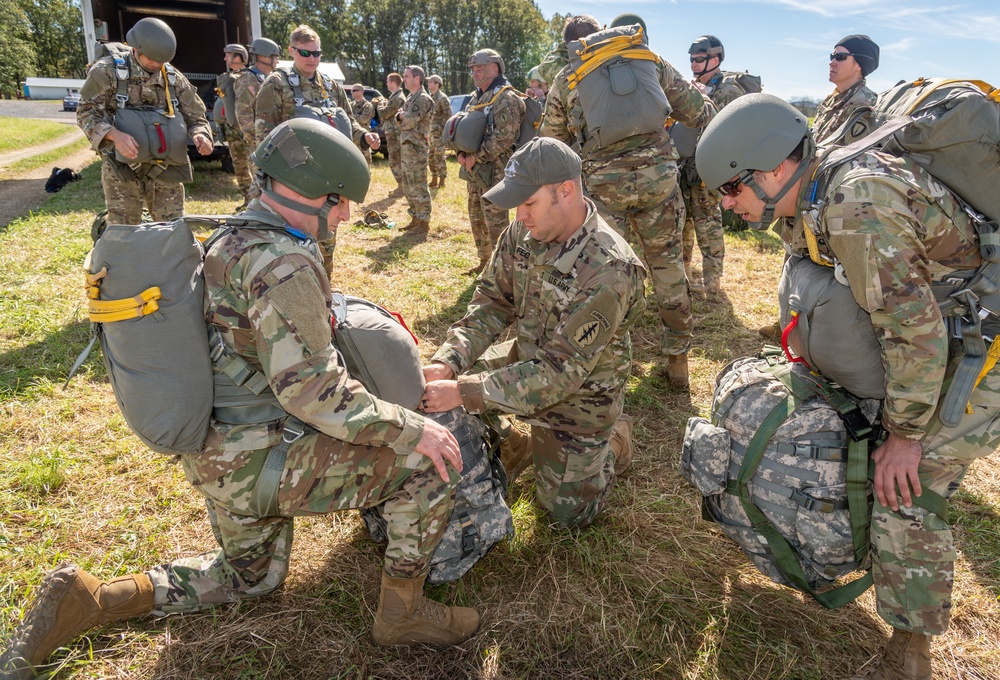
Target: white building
x: 52, y: 88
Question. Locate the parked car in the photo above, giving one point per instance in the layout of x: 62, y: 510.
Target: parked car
x: 71, y: 101
x: 459, y: 102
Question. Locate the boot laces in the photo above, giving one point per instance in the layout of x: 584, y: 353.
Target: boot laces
x: 432, y: 611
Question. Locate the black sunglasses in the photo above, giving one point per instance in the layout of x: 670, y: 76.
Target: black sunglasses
x: 308, y: 53
x: 840, y: 56
x: 731, y: 189
x: 699, y: 60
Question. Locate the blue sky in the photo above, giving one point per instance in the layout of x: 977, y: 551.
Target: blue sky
x: 786, y: 42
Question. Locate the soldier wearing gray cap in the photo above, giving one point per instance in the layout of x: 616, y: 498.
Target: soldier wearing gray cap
x: 570, y: 287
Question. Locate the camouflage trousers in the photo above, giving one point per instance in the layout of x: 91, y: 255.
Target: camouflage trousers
x: 642, y: 198
x: 486, y: 219
x: 320, y: 475
x: 395, y: 156
x: 241, y: 162
x: 702, y: 208
x: 438, y: 154
x: 125, y: 198
x: 414, y: 166
x: 913, y: 551
x: 574, y: 473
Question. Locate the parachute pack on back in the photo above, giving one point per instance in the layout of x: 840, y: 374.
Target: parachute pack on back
x: 617, y: 79
x: 950, y: 127
x: 465, y: 130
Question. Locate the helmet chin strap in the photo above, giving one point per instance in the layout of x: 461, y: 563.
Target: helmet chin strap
x: 321, y: 213
x: 771, y: 202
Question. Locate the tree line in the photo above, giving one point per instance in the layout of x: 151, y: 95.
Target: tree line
x: 371, y: 37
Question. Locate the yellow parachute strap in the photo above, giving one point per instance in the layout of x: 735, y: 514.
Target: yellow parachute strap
x: 991, y: 360
x: 477, y: 107
x: 987, y: 89
x: 166, y: 88
x: 107, y: 311
x: 607, y: 53
x: 813, y: 244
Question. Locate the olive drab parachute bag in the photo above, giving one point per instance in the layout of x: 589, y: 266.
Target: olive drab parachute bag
x: 827, y: 329
x: 950, y: 127
x: 146, y: 298
x: 618, y: 82
x: 783, y: 468
x: 481, y: 517
x: 466, y: 130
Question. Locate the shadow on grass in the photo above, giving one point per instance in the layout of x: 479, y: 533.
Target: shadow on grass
x: 977, y: 535
x: 47, y: 360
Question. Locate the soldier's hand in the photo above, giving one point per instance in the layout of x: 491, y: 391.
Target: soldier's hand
x: 438, y: 444
x: 125, y: 143
x: 896, y: 463
x: 440, y: 396
x: 373, y: 141
x: 437, y: 371
x: 203, y: 144
x: 470, y: 161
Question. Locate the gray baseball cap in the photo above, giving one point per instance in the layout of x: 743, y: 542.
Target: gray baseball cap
x: 541, y: 161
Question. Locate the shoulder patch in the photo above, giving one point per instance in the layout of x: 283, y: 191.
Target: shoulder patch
x: 590, y: 328
x: 299, y: 301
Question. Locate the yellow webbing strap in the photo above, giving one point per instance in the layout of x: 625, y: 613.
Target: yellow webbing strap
x: 166, y: 89
x: 107, y: 311
x: 477, y: 107
x: 992, y: 355
x: 617, y: 47
x: 813, y: 244
x: 987, y: 89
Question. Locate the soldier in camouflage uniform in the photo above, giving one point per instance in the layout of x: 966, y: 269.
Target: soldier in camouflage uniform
x: 853, y: 58
x: 240, y: 146
x: 538, y: 89
x: 264, y: 54
x: 150, y: 82
x: 702, y: 205
x: 571, y: 287
x: 634, y: 184
x: 337, y: 447
x: 387, y: 110
x: 276, y: 101
x: 442, y: 112
x: 363, y: 112
x: 414, y: 123
x: 896, y: 232
x: 495, y: 96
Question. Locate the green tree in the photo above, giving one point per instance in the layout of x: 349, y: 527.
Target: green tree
x: 518, y: 31
x: 17, y: 61
x: 56, y: 36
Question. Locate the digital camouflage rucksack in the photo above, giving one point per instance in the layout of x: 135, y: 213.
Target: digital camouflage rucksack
x: 783, y: 468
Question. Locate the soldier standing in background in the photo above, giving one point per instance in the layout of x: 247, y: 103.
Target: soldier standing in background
x: 236, y: 58
x: 264, y: 54
x: 703, y: 217
x: 633, y: 181
x: 302, y: 91
x: 538, y: 89
x: 483, y: 169
x: 442, y: 112
x: 853, y: 58
x: 387, y: 111
x: 363, y: 112
x: 131, y: 172
x: 414, y: 123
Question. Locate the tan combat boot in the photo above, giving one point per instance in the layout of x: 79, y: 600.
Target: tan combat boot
x: 417, y: 225
x: 515, y: 454
x: 621, y: 444
x: 907, y: 656
x: 406, y: 617
x: 70, y: 601
x: 441, y: 183
x: 677, y: 371
x: 771, y: 333
x: 433, y: 183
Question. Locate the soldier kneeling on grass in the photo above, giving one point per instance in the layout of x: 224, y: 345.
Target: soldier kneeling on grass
x: 268, y: 296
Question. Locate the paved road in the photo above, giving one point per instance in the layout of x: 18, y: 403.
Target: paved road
x: 47, y: 109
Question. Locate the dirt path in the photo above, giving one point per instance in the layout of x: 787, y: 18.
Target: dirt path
x: 21, y: 192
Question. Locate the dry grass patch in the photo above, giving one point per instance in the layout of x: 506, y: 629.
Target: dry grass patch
x: 650, y: 591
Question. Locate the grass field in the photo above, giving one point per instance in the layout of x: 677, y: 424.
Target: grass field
x: 20, y: 133
x: 649, y: 591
